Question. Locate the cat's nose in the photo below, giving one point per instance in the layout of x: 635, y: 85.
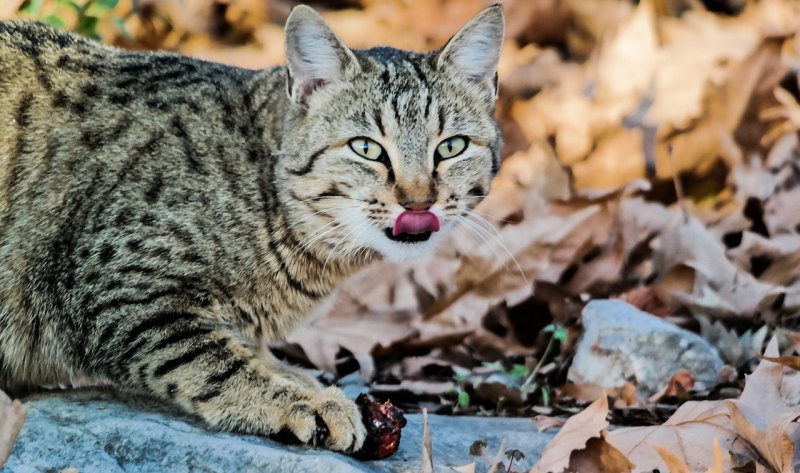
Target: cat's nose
x: 416, y: 206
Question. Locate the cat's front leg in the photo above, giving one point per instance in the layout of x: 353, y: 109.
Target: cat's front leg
x: 293, y: 373
x: 186, y: 360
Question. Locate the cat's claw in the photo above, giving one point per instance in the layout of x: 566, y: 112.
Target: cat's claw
x: 328, y: 419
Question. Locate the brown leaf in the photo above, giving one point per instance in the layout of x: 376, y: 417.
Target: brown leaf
x: 677, y: 465
x: 685, y: 434
x: 543, y: 422
x: 792, y: 362
x: 426, y: 457
x: 762, y: 415
x: 12, y: 416
x: 9, y: 9
x: 464, y: 469
x: 599, y: 456
x: 573, y: 436
x: 717, y: 285
x: 718, y: 465
x: 673, y: 462
x: 322, y: 339
x: 678, y: 386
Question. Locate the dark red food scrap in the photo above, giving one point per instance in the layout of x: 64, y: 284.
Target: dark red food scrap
x: 384, y: 424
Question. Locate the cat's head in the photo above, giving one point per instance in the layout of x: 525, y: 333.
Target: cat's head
x: 389, y: 150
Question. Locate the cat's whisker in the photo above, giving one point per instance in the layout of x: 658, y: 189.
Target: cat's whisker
x: 490, y: 216
x: 341, y: 207
x: 334, y: 224
x: 499, y: 239
x: 324, y: 197
x: 343, y: 239
x: 483, y: 235
x: 468, y: 231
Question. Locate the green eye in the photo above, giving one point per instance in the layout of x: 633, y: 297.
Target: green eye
x: 366, y: 148
x: 452, y: 147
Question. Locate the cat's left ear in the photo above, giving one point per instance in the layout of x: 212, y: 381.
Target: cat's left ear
x: 475, y: 50
x: 315, y: 56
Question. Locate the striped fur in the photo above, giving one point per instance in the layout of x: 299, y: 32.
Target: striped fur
x: 162, y: 217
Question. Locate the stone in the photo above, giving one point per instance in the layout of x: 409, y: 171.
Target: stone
x: 102, y: 431
x: 620, y: 343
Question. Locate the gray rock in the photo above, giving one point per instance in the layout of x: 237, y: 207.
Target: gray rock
x: 621, y: 343
x: 96, y: 431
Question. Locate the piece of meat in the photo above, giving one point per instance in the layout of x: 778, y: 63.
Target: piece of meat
x: 384, y: 424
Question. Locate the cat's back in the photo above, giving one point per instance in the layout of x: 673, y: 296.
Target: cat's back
x: 71, y: 108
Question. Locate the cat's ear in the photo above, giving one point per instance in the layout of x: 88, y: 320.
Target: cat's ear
x: 474, y: 51
x: 315, y: 55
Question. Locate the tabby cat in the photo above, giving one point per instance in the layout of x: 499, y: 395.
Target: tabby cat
x: 162, y: 218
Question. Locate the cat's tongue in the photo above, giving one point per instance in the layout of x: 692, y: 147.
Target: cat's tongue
x: 414, y: 221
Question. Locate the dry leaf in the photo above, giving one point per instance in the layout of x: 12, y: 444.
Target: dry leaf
x: 718, y: 465
x: 676, y: 465
x: 12, y: 416
x: 717, y: 286
x: 426, y: 457
x: 599, y: 456
x: 573, y: 436
x: 464, y: 469
x: 322, y: 339
x: 763, y: 417
x: 673, y: 462
x: 678, y: 386
x: 543, y: 422
x: 685, y: 434
x: 792, y: 362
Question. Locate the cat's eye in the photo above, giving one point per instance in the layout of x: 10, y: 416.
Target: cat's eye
x: 451, y: 147
x: 366, y: 148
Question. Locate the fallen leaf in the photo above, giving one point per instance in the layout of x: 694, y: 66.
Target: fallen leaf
x: 573, y: 436
x: 543, y: 422
x: 12, y: 416
x: 673, y: 462
x: 718, y: 465
x: 792, y: 362
x: 464, y: 469
x: 426, y: 457
x: 498, y: 457
x: 680, y: 434
x: 677, y: 465
x: 717, y: 286
x: 764, y: 418
x: 599, y: 456
x: 678, y: 386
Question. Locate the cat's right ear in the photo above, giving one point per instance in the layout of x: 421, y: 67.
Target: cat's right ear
x: 474, y: 51
x: 315, y: 55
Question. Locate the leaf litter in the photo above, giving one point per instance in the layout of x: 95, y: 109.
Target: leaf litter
x: 651, y: 156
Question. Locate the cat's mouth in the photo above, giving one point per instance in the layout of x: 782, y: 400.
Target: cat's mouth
x: 408, y: 237
x: 413, y: 226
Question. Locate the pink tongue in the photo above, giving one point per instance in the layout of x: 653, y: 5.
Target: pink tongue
x: 412, y: 221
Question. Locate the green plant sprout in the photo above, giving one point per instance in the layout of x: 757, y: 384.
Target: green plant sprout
x: 463, y: 396
x: 560, y: 334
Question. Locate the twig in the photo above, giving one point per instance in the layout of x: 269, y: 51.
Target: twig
x: 426, y: 457
x: 678, y: 186
x: 535, y: 371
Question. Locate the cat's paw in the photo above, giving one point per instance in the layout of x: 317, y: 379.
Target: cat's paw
x: 327, y: 419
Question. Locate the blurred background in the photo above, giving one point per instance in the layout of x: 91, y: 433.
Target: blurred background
x: 651, y: 158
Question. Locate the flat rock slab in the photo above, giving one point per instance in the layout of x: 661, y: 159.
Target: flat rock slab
x: 96, y: 431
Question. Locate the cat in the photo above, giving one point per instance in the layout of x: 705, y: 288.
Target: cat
x: 162, y: 218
